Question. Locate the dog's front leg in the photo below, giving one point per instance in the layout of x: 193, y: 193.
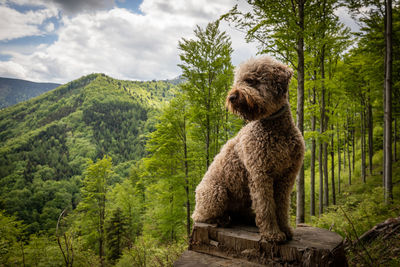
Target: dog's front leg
x: 263, y: 203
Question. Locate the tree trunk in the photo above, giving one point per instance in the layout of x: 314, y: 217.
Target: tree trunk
x: 208, y: 133
x: 388, y: 105
x: 321, y: 179
x: 353, y: 137
x: 312, y: 178
x: 324, y: 128
x: 370, y: 135
x: 300, y: 110
x: 186, y: 180
x: 326, y: 177
x: 339, y: 156
x: 344, y: 150
x: 395, y: 140
x: 243, y: 246
x: 363, y: 175
x: 348, y: 149
x: 333, y: 168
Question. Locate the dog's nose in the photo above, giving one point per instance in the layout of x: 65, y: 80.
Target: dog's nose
x: 232, y: 97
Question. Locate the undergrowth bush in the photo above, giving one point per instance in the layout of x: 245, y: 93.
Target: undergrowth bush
x: 148, y: 252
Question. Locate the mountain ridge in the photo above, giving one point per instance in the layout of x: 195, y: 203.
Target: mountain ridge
x: 13, y: 91
x: 45, y: 142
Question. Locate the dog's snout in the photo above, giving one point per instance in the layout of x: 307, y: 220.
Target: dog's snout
x: 233, y: 97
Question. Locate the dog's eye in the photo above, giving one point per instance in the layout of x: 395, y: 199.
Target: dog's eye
x: 251, y: 82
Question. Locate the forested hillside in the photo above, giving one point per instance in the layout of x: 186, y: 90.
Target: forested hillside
x: 102, y: 172
x: 13, y: 91
x: 46, y: 142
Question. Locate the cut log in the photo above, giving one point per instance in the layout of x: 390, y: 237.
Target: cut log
x: 387, y: 228
x: 242, y: 246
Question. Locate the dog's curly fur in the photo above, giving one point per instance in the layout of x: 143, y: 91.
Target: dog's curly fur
x: 255, y: 171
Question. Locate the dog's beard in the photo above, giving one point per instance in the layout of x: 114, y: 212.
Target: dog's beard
x: 245, y: 106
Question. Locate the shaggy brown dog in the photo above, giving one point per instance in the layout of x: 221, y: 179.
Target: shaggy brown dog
x: 255, y: 171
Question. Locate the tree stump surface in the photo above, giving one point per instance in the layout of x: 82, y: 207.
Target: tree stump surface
x: 242, y: 246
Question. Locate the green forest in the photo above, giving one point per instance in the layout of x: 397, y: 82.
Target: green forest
x: 102, y: 172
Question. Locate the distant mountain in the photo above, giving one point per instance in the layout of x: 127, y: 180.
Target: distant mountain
x: 13, y: 91
x: 45, y: 142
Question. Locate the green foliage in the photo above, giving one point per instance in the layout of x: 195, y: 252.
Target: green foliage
x: 206, y: 64
x: 148, y: 252
x: 92, y: 208
x: 365, y: 209
x: 11, y: 242
x: 42, y: 251
x: 162, y: 135
x: 46, y: 142
x: 116, y: 229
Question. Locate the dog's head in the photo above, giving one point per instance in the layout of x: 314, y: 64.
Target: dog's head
x: 260, y: 88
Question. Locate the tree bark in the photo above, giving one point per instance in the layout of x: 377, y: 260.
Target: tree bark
x: 312, y: 178
x: 300, y: 207
x: 370, y: 134
x: 395, y: 140
x: 243, y: 246
x: 348, y: 149
x: 324, y: 128
x: 333, y: 167
x: 320, y: 167
x: 353, y: 137
x: 388, y: 106
x: 363, y: 175
x: 339, y: 156
x: 344, y: 150
x: 186, y: 180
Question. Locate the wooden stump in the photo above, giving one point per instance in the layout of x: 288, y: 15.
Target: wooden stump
x: 242, y: 246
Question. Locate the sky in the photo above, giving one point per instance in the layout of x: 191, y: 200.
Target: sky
x: 62, y: 40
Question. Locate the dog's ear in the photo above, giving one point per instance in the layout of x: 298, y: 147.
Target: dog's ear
x: 281, y: 79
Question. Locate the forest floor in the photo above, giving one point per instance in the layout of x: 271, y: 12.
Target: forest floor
x: 361, y: 207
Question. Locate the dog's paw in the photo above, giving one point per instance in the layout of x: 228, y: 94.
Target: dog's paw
x: 288, y: 232
x: 276, y: 236
x: 223, y: 221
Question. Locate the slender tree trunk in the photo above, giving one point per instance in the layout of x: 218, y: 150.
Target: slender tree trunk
x: 333, y: 167
x: 324, y: 128
x: 339, y: 156
x: 344, y: 151
x: 186, y: 180
x: 208, y: 140
x: 326, y: 177
x: 370, y: 134
x: 300, y: 110
x: 388, y: 106
x: 312, y: 178
x: 384, y: 103
x: 320, y: 154
x: 363, y: 175
x: 395, y: 140
x: 321, y: 179
x: 353, y: 137
x: 348, y: 148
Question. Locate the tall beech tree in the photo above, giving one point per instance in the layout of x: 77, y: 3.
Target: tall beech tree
x: 168, y: 162
x: 206, y: 64
x: 387, y: 149
x: 93, y: 204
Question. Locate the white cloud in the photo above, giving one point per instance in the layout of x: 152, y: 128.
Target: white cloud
x: 14, y: 24
x: 122, y: 44
x: 49, y: 27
